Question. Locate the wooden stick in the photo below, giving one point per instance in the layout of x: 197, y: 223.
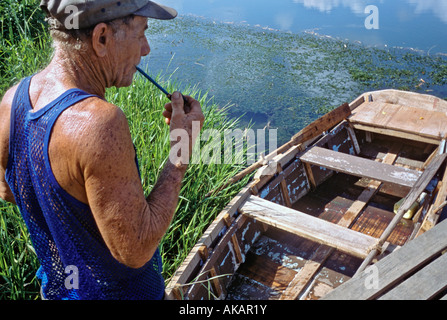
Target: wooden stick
x: 433, y: 214
x: 412, y: 196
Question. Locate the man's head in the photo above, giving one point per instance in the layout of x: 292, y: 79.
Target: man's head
x: 111, y: 34
x: 82, y: 14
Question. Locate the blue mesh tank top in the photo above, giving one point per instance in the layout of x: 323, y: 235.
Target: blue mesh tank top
x: 75, y: 262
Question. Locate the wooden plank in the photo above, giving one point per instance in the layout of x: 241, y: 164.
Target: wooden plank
x: 285, y: 193
x: 330, y: 135
x: 396, y: 133
x: 427, y: 123
x: 423, y: 285
x: 209, y: 266
x: 310, y: 175
x: 411, y: 99
x: 226, y: 258
x: 395, y: 267
x: 301, y: 280
x: 360, y: 167
x: 272, y: 191
x: 325, y: 123
x: 354, y: 140
x: 372, y: 188
x: 296, y: 180
x: 309, y: 227
x: 262, y: 269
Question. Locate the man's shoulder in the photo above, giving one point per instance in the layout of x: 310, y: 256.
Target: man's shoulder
x: 8, y: 97
x: 103, y: 111
x: 5, y: 111
x: 96, y: 114
x: 94, y: 124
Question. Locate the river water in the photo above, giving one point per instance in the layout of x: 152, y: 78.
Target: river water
x: 283, y: 63
x: 420, y: 24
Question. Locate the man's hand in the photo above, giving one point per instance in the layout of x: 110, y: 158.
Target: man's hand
x: 181, y: 126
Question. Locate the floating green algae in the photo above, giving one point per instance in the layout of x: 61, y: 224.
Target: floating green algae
x: 284, y: 80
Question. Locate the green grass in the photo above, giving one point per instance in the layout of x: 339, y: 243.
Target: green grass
x: 26, y: 49
x: 18, y: 261
x: 25, y: 45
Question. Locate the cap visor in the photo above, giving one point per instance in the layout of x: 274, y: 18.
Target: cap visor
x: 156, y: 11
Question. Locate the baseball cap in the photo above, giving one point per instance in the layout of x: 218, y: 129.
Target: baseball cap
x: 91, y: 12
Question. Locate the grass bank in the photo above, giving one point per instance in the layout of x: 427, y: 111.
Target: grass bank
x: 25, y: 49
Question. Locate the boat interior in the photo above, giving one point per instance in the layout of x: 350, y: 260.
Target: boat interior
x: 338, y: 201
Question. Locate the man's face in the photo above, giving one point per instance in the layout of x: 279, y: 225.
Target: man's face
x: 129, y: 45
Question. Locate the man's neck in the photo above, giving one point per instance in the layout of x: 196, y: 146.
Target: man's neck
x: 79, y: 71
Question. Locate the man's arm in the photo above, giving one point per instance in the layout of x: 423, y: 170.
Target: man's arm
x: 5, y: 112
x: 131, y: 225
x: 5, y: 191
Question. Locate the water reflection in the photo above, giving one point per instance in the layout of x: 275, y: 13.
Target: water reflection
x: 436, y: 7
x: 419, y: 24
x: 356, y: 6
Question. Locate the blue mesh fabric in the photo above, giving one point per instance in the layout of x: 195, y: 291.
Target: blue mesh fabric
x: 75, y: 262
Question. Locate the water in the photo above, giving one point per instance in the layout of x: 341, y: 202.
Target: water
x: 283, y: 63
x: 419, y: 24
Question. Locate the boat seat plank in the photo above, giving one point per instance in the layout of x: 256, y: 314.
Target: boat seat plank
x: 424, y: 285
x: 309, y: 227
x: 396, y: 267
x: 360, y: 167
x: 428, y: 123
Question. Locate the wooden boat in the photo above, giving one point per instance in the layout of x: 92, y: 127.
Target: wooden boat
x: 347, y: 191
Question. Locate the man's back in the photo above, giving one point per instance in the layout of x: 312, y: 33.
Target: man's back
x: 63, y: 230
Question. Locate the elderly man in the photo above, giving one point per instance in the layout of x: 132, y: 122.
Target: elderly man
x: 67, y: 158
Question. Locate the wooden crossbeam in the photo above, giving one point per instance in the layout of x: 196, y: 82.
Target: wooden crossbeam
x: 360, y: 167
x: 309, y: 227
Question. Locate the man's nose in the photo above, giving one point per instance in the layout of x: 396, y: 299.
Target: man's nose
x: 145, y: 49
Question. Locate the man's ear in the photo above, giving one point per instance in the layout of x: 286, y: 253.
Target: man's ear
x: 100, y: 37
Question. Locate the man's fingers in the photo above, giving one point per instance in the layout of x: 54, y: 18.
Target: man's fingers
x: 168, y: 107
x: 193, y: 105
x: 177, y: 103
x: 182, y: 106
